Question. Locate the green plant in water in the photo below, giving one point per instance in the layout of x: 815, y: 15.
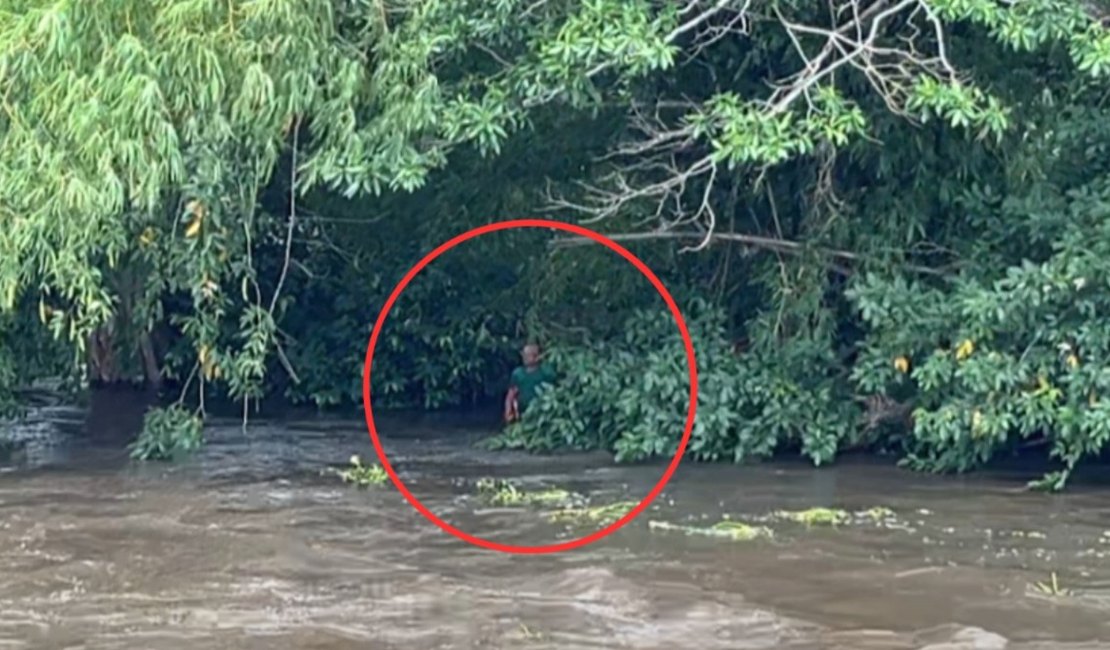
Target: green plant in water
x: 530, y: 634
x: 603, y: 515
x: 504, y: 493
x: 168, y: 434
x: 364, y: 475
x: 878, y: 513
x: 733, y: 530
x: 628, y: 396
x: 552, y: 496
x: 815, y: 516
x: 1053, y: 588
x: 500, y: 492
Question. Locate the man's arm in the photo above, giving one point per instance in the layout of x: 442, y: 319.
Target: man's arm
x: 512, y: 410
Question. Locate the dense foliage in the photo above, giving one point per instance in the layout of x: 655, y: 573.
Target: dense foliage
x: 899, y: 209
x: 630, y: 396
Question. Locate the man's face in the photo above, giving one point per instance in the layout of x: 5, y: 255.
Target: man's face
x: 530, y: 355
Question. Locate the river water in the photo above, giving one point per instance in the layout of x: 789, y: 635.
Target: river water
x: 250, y: 545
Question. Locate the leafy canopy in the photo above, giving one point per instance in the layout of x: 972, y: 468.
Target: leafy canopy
x: 187, y: 167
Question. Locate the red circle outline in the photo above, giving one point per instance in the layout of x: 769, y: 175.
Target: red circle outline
x: 679, y: 321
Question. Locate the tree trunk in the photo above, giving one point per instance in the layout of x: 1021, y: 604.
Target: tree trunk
x: 152, y: 371
x: 100, y: 353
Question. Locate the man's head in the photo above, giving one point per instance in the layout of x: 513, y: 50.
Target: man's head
x: 530, y: 354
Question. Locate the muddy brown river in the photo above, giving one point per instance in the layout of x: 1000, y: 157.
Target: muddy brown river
x: 250, y: 545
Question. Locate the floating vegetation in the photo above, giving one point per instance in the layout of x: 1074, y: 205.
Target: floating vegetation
x: 1052, y: 588
x: 503, y: 493
x: 836, y: 516
x: 879, y: 513
x: 732, y: 530
x: 500, y: 492
x: 363, y: 475
x: 815, y: 516
x: 530, y: 634
x: 603, y: 515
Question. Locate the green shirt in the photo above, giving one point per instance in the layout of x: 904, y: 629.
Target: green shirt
x: 528, y: 382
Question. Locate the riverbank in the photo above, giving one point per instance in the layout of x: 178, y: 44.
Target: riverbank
x: 113, y: 416
x: 248, y: 544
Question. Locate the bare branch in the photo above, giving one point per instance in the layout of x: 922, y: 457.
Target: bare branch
x: 754, y: 241
x: 493, y: 55
x: 291, y: 228
x: 892, y: 43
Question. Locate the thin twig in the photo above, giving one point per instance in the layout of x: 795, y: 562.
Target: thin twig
x: 282, y: 358
x: 292, y: 220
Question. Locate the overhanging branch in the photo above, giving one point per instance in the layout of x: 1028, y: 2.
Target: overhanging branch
x: 673, y: 168
x: 751, y: 241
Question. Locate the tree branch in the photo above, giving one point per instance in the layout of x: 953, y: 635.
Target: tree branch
x: 753, y: 241
x: 673, y: 167
x: 288, y: 249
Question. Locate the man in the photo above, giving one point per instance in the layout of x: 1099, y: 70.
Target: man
x: 525, y: 382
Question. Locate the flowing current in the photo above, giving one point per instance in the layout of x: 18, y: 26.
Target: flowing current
x: 250, y: 545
